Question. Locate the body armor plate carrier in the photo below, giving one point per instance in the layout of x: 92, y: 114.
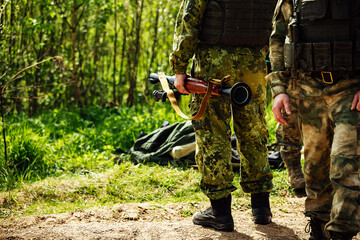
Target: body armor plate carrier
x: 325, y: 36
x: 237, y: 22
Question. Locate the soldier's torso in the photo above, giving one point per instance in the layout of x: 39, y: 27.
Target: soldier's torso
x: 324, y: 36
x: 237, y: 22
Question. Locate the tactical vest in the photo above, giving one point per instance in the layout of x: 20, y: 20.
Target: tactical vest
x: 237, y: 22
x: 324, y: 36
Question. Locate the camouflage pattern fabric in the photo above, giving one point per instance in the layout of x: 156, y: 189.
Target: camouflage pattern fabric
x: 332, y: 152
x: 288, y: 138
x: 213, y: 132
x: 331, y: 135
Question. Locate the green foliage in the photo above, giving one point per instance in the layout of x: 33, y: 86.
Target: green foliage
x: 62, y: 160
x: 113, y: 43
x: 271, y: 123
x: 78, y: 140
x: 26, y: 158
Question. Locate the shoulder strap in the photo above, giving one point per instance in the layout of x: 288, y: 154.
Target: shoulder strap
x: 174, y: 103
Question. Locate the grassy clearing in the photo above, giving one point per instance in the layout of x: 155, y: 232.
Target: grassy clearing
x: 121, y: 183
x: 61, y: 161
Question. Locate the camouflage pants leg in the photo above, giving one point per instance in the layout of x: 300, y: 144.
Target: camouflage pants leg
x: 252, y: 134
x: 213, y: 131
x: 331, y: 134
x: 213, y: 147
x: 288, y: 137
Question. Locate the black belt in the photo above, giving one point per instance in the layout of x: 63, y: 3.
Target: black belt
x: 329, y: 77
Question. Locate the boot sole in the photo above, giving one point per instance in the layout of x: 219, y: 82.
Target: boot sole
x: 225, y: 227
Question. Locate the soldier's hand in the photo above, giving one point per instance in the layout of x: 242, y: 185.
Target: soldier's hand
x: 356, y: 102
x: 281, y: 101
x: 180, y: 83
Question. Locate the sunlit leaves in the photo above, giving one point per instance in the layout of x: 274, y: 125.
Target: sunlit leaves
x: 33, y: 30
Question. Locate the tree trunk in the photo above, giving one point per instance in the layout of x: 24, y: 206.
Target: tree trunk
x: 95, y: 63
x: 123, y: 50
x: 73, y: 49
x: 3, y: 124
x: 115, y: 53
x: 135, y: 55
x: 153, y: 48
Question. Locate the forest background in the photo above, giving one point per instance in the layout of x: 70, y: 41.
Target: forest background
x: 73, y: 81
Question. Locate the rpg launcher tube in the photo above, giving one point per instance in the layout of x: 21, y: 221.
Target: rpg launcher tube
x: 239, y: 94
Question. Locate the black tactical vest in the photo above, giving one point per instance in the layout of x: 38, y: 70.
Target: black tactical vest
x: 236, y: 23
x: 325, y: 36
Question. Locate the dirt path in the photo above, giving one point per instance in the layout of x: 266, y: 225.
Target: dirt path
x: 146, y: 221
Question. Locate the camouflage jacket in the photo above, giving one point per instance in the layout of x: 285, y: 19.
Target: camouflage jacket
x: 187, y: 28
x: 279, y: 77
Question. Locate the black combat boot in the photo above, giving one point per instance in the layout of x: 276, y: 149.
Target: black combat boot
x: 316, y: 228
x: 341, y: 235
x: 218, y: 216
x: 261, y: 208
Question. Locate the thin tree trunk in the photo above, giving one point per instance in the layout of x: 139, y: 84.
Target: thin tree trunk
x: 153, y: 47
x: 12, y: 16
x: 95, y: 62
x: 135, y: 58
x: 115, y: 53
x: 3, y: 124
x: 122, y: 62
x: 73, y: 49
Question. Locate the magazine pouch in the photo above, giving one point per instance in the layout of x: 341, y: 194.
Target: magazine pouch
x: 313, y: 9
x: 340, y: 9
x: 342, y: 59
x: 306, y: 57
x: 322, y: 56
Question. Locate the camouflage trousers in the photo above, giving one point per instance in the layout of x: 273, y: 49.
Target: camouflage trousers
x: 213, y: 130
x: 289, y: 136
x: 331, y: 135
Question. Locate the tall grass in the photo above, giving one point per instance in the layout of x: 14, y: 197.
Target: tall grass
x: 73, y: 140
x: 61, y: 160
x: 26, y: 158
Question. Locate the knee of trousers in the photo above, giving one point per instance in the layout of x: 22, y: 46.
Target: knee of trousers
x: 345, y: 171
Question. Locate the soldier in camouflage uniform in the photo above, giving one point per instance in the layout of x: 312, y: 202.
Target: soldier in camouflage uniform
x: 213, y: 131
x: 315, y: 48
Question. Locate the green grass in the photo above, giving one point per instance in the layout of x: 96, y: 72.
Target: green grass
x: 121, y: 183
x: 63, y: 160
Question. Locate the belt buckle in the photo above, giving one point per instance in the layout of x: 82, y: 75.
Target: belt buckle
x: 327, y: 77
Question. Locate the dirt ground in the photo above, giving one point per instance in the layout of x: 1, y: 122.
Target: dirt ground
x: 146, y: 221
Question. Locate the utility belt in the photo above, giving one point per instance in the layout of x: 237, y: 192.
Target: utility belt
x: 322, y: 56
x: 333, y: 77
